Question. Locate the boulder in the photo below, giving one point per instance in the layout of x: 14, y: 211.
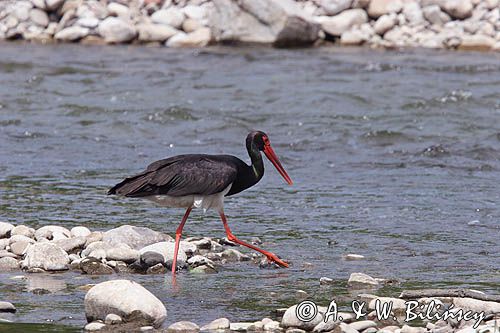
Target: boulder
x: 47, y: 256
x: 7, y: 307
x: 217, y: 324
x: 290, y: 319
x: 280, y: 22
x: 23, y: 230
x: 71, y: 244
x: 48, y: 231
x: 116, y: 30
x: 360, y: 280
x: 127, y: 299
x: 338, y: 24
x: 135, y: 237
x: 122, y: 254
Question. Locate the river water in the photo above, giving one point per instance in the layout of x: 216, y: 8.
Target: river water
x: 394, y: 156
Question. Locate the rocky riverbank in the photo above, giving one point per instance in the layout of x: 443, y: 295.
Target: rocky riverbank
x: 121, y: 305
x: 438, y: 24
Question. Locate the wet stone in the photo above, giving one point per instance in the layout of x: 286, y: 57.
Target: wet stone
x: 93, y: 266
x: 234, y: 255
x: 156, y: 269
x: 112, y: 319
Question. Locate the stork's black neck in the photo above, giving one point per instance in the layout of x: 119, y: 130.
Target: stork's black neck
x: 249, y: 175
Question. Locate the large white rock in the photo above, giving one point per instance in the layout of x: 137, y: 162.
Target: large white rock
x: 125, y: 298
x: 198, y: 38
x: 135, y: 237
x: 150, y: 32
x: 71, y: 34
x: 171, y: 16
x: 290, y: 318
x: 47, y: 256
x: 49, y: 230
x: 116, y: 30
x: 39, y: 17
x: 338, y: 24
x: 281, y: 22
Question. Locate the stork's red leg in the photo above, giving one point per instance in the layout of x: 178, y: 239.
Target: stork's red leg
x: 178, y: 234
x: 270, y: 256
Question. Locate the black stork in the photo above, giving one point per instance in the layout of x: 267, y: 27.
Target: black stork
x: 202, y: 181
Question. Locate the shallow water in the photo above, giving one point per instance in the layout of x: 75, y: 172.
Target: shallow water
x: 395, y: 156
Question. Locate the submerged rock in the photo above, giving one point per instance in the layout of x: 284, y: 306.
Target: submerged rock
x: 47, y: 256
x: 127, y: 299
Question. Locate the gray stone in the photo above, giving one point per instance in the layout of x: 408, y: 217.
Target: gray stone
x: 434, y: 15
x: 149, y: 32
x: 91, y: 23
x: 116, y: 30
x: 204, y: 269
x: 217, y: 324
x: 8, y: 264
x: 135, y: 237
x: 151, y: 258
x: 198, y: 260
x: 338, y: 24
x: 360, y: 280
x: 94, y: 266
x: 476, y: 305
x: 183, y: 327
x: 23, y: 231
x: 47, y: 256
x: 71, y: 244
x: 333, y: 7
x: 156, y: 269
x: 324, y: 280
x: 93, y: 237
x: 385, y: 23
x: 48, y: 231
x: 198, y: 38
x: 112, y: 319
x: 94, y: 326
x: 290, y: 320
x: 99, y: 245
x: 127, y: 299
x: 39, y: 17
x: 5, y: 228
x: 7, y: 307
x: 166, y: 249
x: 122, y: 254
x: 272, y: 326
x: 172, y: 17
x: 410, y: 329
x: 19, y: 248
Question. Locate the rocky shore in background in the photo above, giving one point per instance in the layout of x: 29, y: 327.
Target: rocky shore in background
x: 120, y: 305
x: 437, y: 24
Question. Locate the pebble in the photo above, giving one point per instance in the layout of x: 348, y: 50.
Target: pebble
x: 23, y: 230
x: 217, y: 324
x: 116, y: 30
x: 7, y: 307
x: 183, y: 327
x: 156, y: 269
x: 112, y: 319
x: 234, y: 255
x: 81, y: 231
x: 122, y: 254
x: 125, y: 298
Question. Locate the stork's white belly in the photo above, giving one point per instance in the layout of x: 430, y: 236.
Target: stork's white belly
x: 212, y: 201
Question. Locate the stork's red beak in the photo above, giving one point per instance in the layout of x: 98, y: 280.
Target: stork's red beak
x: 276, y: 162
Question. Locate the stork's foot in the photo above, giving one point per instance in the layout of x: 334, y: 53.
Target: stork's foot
x: 274, y: 258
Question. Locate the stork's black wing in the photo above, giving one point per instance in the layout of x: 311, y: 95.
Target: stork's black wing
x: 182, y: 175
